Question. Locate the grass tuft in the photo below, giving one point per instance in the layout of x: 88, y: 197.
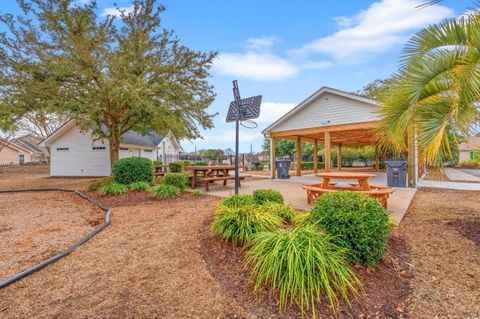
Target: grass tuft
x: 164, y: 191
x: 138, y: 186
x: 239, y: 224
x: 112, y: 189
x: 302, y: 265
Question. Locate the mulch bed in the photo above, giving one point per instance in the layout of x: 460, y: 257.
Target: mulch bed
x: 387, y: 289
x: 56, y: 220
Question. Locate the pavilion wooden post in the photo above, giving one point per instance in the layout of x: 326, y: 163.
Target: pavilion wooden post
x: 273, y: 157
x: 315, y: 156
x: 377, y: 166
x: 339, y: 157
x: 328, y: 160
x: 298, y: 155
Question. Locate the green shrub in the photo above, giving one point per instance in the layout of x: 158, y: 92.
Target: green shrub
x: 197, y: 192
x: 133, y: 169
x: 239, y: 201
x: 185, y: 163
x: 178, y: 180
x: 258, y: 166
x: 382, y: 165
x: 267, y: 195
x: 286, y: 213
x: 306, y: 165
x: 175, y: 167
x: 239, y: 224
x: 112, y: 189
x: 302, y: 265
x: 157, y: 163
x: 358, y: 223
x: 200, y: 163
x: 300, y: 219
x: 164, y: 191
x: 138, y: 186
x: 100, y: 182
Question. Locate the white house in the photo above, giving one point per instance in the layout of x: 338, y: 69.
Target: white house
x: 77, y: 153
x: 20, y: 151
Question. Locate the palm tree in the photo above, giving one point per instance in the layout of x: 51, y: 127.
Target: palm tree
x: 436, y: 93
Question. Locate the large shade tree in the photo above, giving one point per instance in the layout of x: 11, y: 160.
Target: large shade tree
x: 110, y: 73
x: 435, y: 95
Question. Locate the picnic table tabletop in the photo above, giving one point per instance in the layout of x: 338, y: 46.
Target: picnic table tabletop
x: 361, y: 177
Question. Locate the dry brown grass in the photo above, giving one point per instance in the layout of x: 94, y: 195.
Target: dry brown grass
x: 37, y: 226
x: 445, y: 258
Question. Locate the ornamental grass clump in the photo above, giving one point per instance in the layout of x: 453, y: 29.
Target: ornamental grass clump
x: 286, y: 213
x: 236, y: 201
x: 356, y: 221
x: 138, y: 186
x: 94, y: 186
x: 262, y: 196
x: 165, y: 191
x: 239, y: 224
x: 112, y: 189
x: 302, y: 265
x: 178, y: 180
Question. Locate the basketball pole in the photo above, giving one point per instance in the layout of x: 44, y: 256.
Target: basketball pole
x: 236, y: 94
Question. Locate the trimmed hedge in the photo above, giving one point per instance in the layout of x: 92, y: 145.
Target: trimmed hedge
x: 356, y: 221
x: 200, y: 163
x: 133, y: 169
x: 175, y: 167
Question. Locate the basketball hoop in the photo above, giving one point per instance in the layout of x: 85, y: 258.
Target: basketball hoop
x: 249, y: 124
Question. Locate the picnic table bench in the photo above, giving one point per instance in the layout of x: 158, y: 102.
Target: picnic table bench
x: 378, y: 192
x: 207, y: 180
x: 206, y: 175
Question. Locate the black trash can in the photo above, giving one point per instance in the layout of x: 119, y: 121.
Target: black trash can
x: 396, y: 173
x: 282, y: 169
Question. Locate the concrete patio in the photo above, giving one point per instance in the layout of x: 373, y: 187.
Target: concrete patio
x: 295, y: 196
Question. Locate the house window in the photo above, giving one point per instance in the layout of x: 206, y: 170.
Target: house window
x: 62, y: 148
x: 147, y: 151
x: 21, y: 159
x: 97, y: 148
x: 123, y: 148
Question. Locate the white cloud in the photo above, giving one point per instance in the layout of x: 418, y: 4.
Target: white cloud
x: 318, y: 65
x: 113, y: 11
x: 256, y: 66
x: 377, y: 29
x: 261, y: 43
x: 271, y: 111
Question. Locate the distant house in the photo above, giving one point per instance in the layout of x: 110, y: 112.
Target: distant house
x: 21, y: 150
x: 469, y: 149
x: 77, y: 153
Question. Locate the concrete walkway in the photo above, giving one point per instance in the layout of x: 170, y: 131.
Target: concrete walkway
x: 451, y: 185
x: 295, y: 196
x: 455, y: 174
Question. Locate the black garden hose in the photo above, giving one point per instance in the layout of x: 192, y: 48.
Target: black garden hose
x: 53, y: 259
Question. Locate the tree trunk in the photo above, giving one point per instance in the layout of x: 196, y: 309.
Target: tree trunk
x: 114, y: 146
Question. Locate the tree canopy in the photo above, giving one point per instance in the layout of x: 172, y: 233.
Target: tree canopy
x: 435, y: 95
x: 110, y: 73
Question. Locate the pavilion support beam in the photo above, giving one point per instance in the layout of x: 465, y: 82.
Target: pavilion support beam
x: 315, y: 156
x: 298, y: 155
x: 339, y: 157
x: 328, y: 157
x: 377, y: 159
x: 273, y: 156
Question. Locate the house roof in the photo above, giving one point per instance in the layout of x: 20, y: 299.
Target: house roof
x: 471, y: 144
x: 314, y: 96
x: 17, y: 147
x: 27, y: 144
x: 151, y: 139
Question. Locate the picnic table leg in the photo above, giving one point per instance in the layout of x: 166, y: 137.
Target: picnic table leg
x: 364, y: 184
x: 326, y: 180
x: 194, y: 179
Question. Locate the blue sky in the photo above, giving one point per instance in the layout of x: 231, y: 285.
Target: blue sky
x: 286, y: 50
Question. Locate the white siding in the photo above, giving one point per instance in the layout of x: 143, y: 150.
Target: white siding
x: 150, y: 155
x: 170, y: 147
x: 329, y: 107
x: 80, y: 159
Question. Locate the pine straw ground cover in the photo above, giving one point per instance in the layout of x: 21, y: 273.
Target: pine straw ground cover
x: 158, y: 260
x: 37, y: 226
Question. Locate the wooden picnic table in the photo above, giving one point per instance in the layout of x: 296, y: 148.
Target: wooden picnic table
x: 200, y: 172
x: 362, y: 178
x: 378, y: 192
x: 161, y: 168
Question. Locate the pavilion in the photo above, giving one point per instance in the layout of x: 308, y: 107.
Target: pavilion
x: 334, y: 118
